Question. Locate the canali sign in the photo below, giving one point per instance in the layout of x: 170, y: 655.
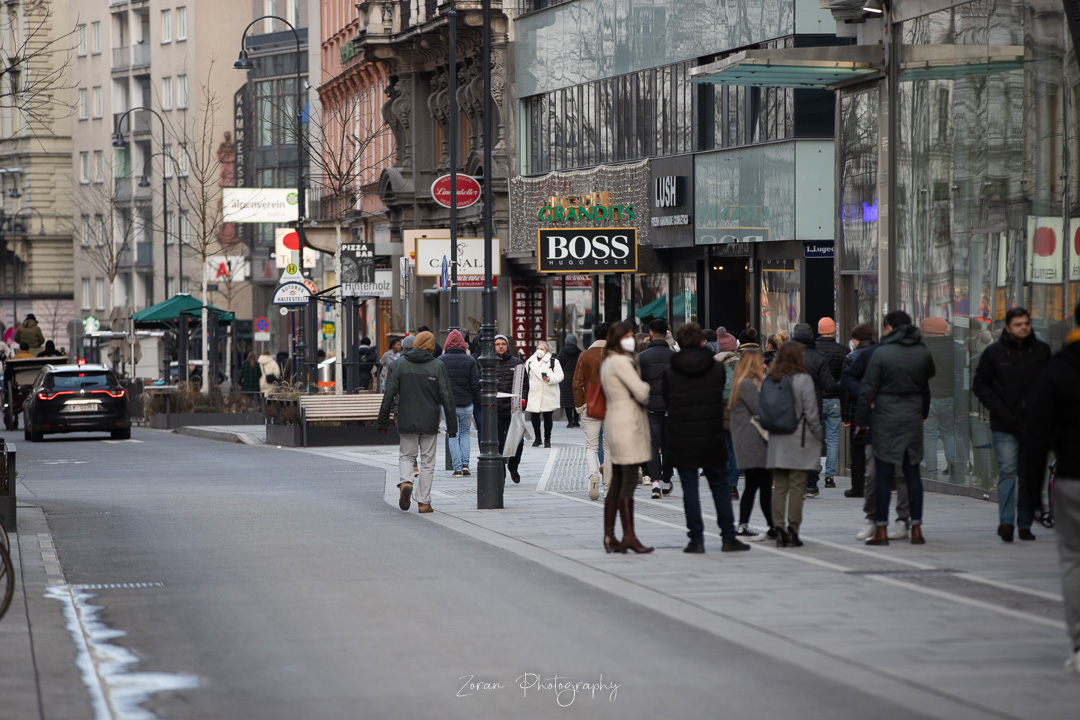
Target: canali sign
x: 468, y: 191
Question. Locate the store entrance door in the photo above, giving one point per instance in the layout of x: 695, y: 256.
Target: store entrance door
x: 729, y: 297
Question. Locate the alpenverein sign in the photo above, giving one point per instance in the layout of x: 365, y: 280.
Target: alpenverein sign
x: 259, y: 205
x: 586, y: 250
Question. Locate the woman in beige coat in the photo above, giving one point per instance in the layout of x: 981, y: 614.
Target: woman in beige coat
x: 626, y: 434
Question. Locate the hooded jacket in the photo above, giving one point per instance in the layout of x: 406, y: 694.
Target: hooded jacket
x: 464, y: 374
x: 693, y: 392
x: 817, y: 367
x: 424, y: 388
x: 1006, y: 373
x: 654, y: 361
x: 897, y: 386
x: 1054, y: 419
x: 366, y: 359
x: 30, y: 333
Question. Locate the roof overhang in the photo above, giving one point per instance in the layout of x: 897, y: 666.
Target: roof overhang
x: 837, y: 66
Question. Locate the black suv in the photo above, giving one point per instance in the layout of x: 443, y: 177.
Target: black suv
x: 76, y: 398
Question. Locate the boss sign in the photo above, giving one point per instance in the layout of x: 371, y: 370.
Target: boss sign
x: 586, y: 250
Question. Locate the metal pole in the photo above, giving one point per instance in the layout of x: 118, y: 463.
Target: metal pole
x: 489, y: 475
x: 452, y: 15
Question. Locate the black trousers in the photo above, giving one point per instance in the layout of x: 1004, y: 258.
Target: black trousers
x: 504, y: 429
x: 758, y: 480
x: 858, y: 461
x: 572, y: 416
x: 548, y: 419
x: 657, y: 467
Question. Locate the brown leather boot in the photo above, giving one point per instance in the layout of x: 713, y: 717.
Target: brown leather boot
x: 611, y: 543
x: 916, y: 535
x: 881, y: 536
x: 630, y: 541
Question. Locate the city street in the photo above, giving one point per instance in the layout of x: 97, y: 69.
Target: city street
x: 252, y: 581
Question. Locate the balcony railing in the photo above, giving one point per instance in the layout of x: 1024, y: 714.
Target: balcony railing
x: 144, y: 253
x: 121, y: 58
x: 141, y: 57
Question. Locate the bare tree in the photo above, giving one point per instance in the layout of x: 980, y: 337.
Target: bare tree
x: 105, y: 228
x: 33, y: 78
x: 54, y: 313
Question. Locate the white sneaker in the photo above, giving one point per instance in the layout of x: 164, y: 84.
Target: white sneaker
x: 645, y: 479
x: 594, y: 487
x: 868, y: 530
x: 1072, y: 665
x: 899, y: 531
x: 656, y: 491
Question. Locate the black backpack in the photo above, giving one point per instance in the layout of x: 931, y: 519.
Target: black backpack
x: 776, y: 406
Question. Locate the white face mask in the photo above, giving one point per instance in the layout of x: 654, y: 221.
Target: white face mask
x: 851, y: 344
x: 539, y: 353
x: 628, y: 344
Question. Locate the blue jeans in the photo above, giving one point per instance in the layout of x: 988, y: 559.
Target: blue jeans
x: 830, y: 416
x: 731, y: 470
x: 459, y: 446
x: 718, y: 485
x: 883, y: 484
x: 1013, y: 505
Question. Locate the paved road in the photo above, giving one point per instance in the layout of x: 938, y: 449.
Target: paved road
x: 286, y: 585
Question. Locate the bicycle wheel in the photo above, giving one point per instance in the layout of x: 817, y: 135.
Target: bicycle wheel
x: 7, y: 581
x: 4, y: 541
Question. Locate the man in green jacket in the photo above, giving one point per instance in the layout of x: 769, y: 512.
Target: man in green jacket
x: 424, y: 389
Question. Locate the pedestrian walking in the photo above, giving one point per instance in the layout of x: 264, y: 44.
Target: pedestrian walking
x: 250, y: 373
x: 1054, y: 424
x: 388, y: 359
x: 407, y: 344
x: 625, y: 428
x: 545, y: 373
x: 586, y: 374
x: 1005, y: 375
x: 830, y: 401
x: 862, y: 449
x: 568, y: 357
x: 423, y: 387
x: 862, y: 338
x: 897, y: 389
x: 794, y: 449
x: 748, y: 340
x: 751, y: 440
x: 817, y: 367
x: 29, y: 332
x: 366, y: 362
x: 505, y: 386
x: 692, y: 388
x: 438, y: 348
x: 654, y: 361
x: 727, y: 356
x: 269, y: 373
x: 464, y: 374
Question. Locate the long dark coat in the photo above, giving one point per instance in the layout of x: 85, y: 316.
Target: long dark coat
x: 568, y: 358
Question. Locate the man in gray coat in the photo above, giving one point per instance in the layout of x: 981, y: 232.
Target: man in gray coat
x: 897, y: 387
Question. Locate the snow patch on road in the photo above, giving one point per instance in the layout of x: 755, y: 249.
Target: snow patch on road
x: 117, y: 692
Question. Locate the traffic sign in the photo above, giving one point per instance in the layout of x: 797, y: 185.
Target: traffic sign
x: 262, y: 324
x: 291, y: 274
x: 328, y: 328
x: 292, y: 293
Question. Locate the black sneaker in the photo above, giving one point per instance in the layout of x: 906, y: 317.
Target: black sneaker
x: 515, y: 476
x: 830, y: 483
x: 694, y: 546
x: 1005, y: 532
x: 812, y: 492
x: 734, y: 546
x: 655, y: 492
x: 666, y: 488
x: 772, y: 534
x: 852, y: 494
x: 1026, y: 534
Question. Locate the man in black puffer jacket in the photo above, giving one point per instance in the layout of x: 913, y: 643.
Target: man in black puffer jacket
x: 693, y: 393
x: 464, y: 373
x: 654, y: 361
x: 817, y: 366
x: 366, y: 359
x: 1054, y: 424
x: 1007, y: 371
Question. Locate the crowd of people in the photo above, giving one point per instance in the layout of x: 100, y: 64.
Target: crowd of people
x: 701, y: 403
x: 29, y: 341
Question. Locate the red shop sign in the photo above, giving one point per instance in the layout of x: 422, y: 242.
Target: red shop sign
x: 468, y: 191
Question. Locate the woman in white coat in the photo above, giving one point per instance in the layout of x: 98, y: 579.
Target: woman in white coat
x: 626, y: 434
x: 544, y: 373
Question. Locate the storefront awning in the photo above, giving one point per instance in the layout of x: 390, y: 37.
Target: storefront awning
x: 835, y: 66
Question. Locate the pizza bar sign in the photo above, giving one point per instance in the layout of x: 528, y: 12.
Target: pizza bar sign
x: 586, y: 250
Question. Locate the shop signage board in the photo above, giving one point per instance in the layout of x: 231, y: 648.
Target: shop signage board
x: 227, y: 268
x: 357, y: 267
x: 470, y: 256
x: 818, y: 250
x: 287, y: 247
x: 259, y: 205
x: 529, y: 317
x: 573, y: 282
x: 1046, y: 245
x: 468, y: 191
x: 382, y: 286
x: 472, y: 282
x: 588, y: 250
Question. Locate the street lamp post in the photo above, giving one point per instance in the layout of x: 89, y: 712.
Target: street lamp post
x: 453, y: 130
x: 243, y: 62
x: 489, y: 475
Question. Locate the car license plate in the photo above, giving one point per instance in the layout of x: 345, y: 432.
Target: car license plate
x: 84, y: 407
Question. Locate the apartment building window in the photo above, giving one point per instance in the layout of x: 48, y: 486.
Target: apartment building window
x: 98, y: 102
x: 270, y: 7
x: 82, y: 40
x: 100, y: 293
x: 99, y: 166
x: 169, y: 217
x: 95, y: 37
x: 182, y: 160
x: 166, y: 26
x: 166, y: 93
x: 185, y: 228
x: 181, y: 23
x: 122, y: 162
x: 181, y: 91
x: 102, y: 232
x: 87, y: 296
x: 87, y: 233
x: 84, y: 103
x: 84, y: 167
x: 170, y: 168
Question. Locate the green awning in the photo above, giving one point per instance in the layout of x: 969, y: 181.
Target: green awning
x: 168, y: 312
x: 657, y: 308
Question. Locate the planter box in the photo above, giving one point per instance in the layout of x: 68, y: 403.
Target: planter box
x: 329, y: 435
x: 171, y: 421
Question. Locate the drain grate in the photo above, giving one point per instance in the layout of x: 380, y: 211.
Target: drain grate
x: 461, y: 492
x: 569, y: 472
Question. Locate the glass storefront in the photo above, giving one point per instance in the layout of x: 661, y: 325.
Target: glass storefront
x: 986, y: 199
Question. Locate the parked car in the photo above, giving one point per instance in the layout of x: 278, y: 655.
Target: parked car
x: 76, y: 398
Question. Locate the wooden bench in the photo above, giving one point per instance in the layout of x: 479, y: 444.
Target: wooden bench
x: 338, y: 408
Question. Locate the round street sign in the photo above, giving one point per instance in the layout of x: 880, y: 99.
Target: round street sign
x: 468, y: 191
x: 291, y: 269
x: 310, y: 285
x: 262, y: 324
